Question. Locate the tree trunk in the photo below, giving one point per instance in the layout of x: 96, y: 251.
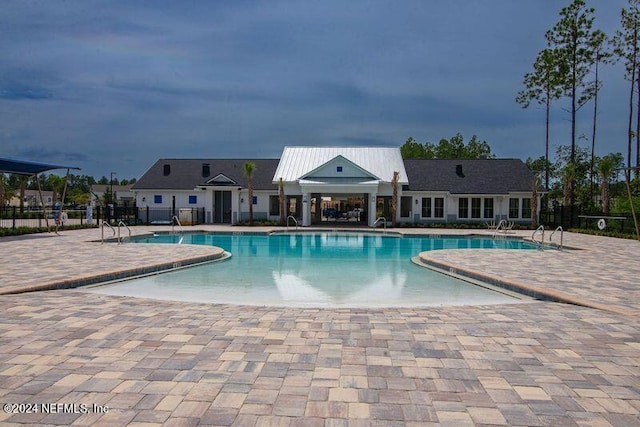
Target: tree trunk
x: 394, y: 199
x: 546, y: 148
x: 534, y: 203
x: 630, y: 124
x: 605, y: 197
x: 593, y: 135
x: 250, y: 202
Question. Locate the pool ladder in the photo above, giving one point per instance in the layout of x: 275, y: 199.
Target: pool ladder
x: 295, y: 221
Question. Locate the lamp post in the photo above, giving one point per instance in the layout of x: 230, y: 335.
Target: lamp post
x: 111, y: 187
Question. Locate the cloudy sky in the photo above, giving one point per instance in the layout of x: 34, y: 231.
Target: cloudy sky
x: 112, y: 86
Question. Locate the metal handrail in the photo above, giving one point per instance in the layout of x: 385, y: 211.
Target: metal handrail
x: 384, y: 223
x: 561, y: 235
x: 501, y: 224
x: 122, y: 223
x: 175, y: 220
x: 102, y: 224
x: 294, y: 220
x: 540, y: 230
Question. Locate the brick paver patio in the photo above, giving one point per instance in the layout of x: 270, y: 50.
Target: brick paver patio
x: 148, y: 362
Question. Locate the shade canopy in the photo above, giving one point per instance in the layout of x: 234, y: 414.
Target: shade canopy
x: 19, y: 167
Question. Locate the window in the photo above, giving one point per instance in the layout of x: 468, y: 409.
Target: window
x: 193, y: 200
x: 476, y: 207
x: 526, y: 208
x: 255, y: 200
x: 405, y: 206
x: 339, y: 169
x: 438, y: 208
x: 157, y: 199
x: 206, y: 170
x: 488, y: 208
x: 463, y: 207
x: 274, y: 205
x: 166, y: 170
x: 514, y: 208
x: 426, y: 207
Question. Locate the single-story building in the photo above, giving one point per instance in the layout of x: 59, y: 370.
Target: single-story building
x: 342, y: 184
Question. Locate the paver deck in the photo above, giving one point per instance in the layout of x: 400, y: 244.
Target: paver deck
x: 172, y: 363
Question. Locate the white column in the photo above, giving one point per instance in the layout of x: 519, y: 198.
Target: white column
x: 372, y: 208
x: 306, y: 210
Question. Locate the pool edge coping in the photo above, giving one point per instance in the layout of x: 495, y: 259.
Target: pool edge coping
x: 516, y: 286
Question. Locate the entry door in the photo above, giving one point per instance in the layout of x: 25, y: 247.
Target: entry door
x: 222, y: 207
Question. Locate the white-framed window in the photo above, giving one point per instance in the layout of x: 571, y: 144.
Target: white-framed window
x: 463, y: 207
x: 514, y: 207
x: 426, y: 207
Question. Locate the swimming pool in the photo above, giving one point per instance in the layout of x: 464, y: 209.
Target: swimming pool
x: 317, y: 270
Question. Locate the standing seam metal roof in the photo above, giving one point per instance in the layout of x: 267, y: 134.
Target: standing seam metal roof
x: 296, y: 162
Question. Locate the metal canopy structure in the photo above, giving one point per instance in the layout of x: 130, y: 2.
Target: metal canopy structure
x: 19, y: 167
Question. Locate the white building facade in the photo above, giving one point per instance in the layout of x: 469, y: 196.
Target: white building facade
x: 351, y: 184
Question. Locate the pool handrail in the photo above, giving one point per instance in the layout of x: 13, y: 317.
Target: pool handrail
x: 174, y: 221
x: 558, y: 228
x: 540, y: 230
x: 501, y: 225
x: 384, y: 222
x: 123, y: 224
x: 102, y: 224
x: 295, y: 221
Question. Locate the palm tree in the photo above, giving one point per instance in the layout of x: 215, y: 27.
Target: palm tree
x: 606, y: 166
x: 394, y: 199
x: 249, y: 169
x: 281, y: 200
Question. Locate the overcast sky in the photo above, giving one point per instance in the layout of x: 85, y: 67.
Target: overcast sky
x: 112, y: 86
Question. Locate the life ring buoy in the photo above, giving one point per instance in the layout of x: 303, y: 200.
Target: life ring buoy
x: 602, y: 224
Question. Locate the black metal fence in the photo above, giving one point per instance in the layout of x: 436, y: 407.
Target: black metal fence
x: 576, y: 217
x: 12, y: 217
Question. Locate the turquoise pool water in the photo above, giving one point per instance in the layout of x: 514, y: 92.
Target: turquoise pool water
x: 317, y: 270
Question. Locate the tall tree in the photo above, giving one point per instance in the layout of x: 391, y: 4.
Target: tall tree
x: 249, y: 169
x: 626, y: 47
x: 572, y: 38
x: 601, y: 55
x: 412, y: 149
x: 394, y: 198
x: 543, y: 85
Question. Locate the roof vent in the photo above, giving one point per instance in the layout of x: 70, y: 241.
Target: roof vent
x: 166, y: 170
x: 459, y: 171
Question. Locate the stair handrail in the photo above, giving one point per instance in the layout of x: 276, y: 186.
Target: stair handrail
x: 174, y: 221
x: 123, y: 224
x: 558, y: 228
x: 102, y: 224
x: 384, y: 222
x: 295, y: 221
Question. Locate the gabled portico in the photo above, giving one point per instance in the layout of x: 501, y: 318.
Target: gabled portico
x: 314, y: 172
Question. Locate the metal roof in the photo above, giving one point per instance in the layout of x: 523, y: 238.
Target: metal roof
x: 296, y: 162
x: 19, y: 167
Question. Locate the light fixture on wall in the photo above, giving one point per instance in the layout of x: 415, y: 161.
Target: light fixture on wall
x: 241, y: 200
x: 416, y: 201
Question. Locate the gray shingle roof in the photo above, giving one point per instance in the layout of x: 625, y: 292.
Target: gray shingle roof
x: 491, y: 176
x: 186, y: 174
